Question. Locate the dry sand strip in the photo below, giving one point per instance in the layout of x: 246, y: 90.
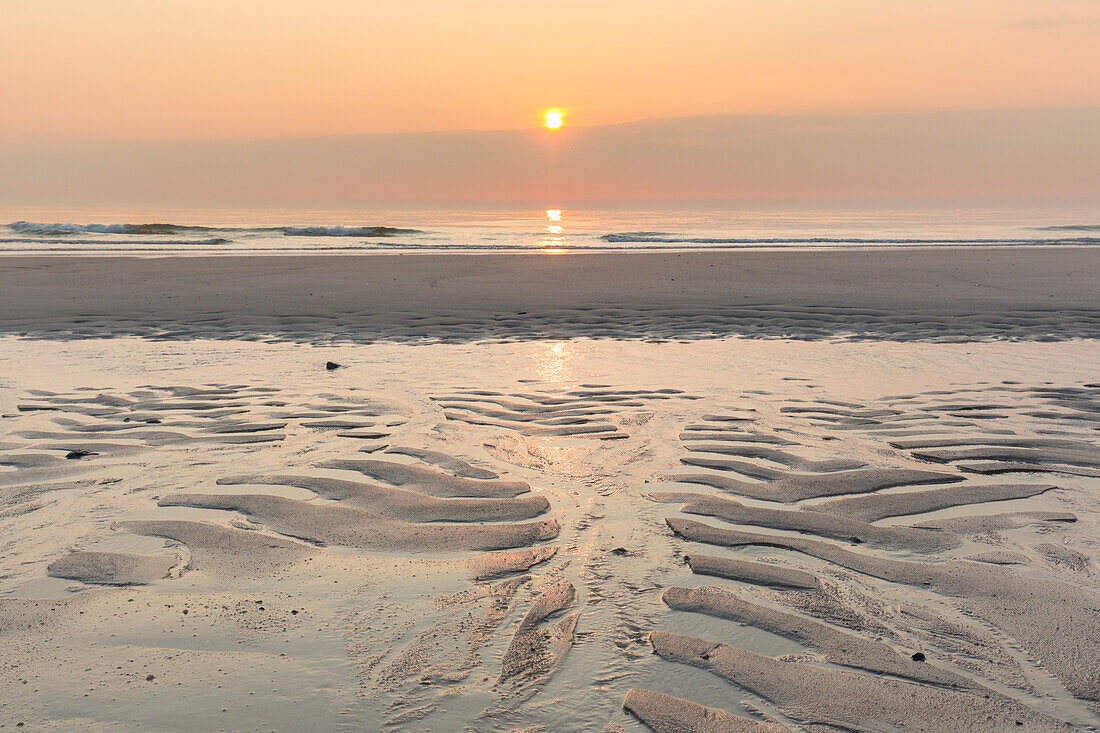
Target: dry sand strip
x: 1086, y: 456
x: 836, y: 604
x: 231, y: 553
x: 665, y: 714
x: 956, y: 441
x: 396, y: 503
x: 452, y: 465
x: 1057, y: 623
x: 733, y: 436
x: 335, y: 524
x: 156, y: 438
x: 534, y: 651
x: 125, y: 569
x: 874, y: 507
x: 978, y: 524
x: 565, y: 410
x: 602, y: 431
x: 817, y: 696
x: 1021, y: 292
x: 819, y: 523
x: 430, y: 482
x: 490, y: 565
x: 999, y: 467
x: 577, y: 412
x: 777, y: 456
x: 757, y: 573
x: 224, y: 551
x: 112, y: 568
x: 836, y: 646
x: 791, y: 487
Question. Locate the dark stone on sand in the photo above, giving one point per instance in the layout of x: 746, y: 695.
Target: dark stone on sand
x: 918, y: 657
x: 76, y: 454
x: 330, y: 365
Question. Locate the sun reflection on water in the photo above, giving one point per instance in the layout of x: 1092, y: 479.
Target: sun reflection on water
x: 553, y: 361
x: 552, y: 244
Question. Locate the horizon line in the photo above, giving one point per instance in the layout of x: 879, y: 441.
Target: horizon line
x: 539, y: 129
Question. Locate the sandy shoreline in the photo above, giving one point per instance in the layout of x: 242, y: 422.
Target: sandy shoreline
x: 838, y: 524
x: 463, y: 536
x: 1017, y: 293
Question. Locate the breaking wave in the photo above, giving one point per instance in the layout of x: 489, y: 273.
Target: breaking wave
x: 342, y: 231
x: 1070, y: 228
x: 28, y: 227
x: 128, y: 243
x: 56, y: 230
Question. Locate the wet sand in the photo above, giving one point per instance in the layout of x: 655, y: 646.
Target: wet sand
x: 903, y: 293
x: 566, y: 527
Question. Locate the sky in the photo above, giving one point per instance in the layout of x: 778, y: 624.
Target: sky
x: 124, y: 84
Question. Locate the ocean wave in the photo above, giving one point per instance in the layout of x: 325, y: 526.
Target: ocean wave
x: 342, y: 231
x: 127, y: 243
x: 62, y: 230
x: 628, y: 237
x: 642, y: 236
x: 53, y: 230
x: 1069, y: 228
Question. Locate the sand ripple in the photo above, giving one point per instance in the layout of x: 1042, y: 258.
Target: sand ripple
x: 485, y: 558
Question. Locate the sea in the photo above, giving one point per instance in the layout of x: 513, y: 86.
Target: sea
x: 551, y: 230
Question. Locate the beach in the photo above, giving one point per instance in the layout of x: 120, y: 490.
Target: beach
x: 1018, y: 291
x: 502, y: 368
x: 741, y: 490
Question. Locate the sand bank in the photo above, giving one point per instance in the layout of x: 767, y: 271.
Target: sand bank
x: 618, y: 535
x: 1022, y: 292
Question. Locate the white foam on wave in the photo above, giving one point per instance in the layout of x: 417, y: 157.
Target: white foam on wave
x: 127, y: 243
x: 64, y: 229
x: 1070, y: 228
x: 342, y: 231
x: 28, y: 227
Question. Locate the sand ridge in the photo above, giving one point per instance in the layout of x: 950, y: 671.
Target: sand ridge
x: 838, y: 508
x: 822, y: 573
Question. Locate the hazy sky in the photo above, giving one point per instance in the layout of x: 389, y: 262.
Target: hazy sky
x: 77, y: 73
x: 970, y: 156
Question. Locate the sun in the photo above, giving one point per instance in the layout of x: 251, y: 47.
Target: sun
x: 554, y: 119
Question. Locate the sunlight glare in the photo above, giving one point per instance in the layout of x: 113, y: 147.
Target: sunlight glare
x: 553, y: 361
x: 554, y: 119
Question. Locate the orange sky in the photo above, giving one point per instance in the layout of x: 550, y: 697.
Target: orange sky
x: 135, y: 69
